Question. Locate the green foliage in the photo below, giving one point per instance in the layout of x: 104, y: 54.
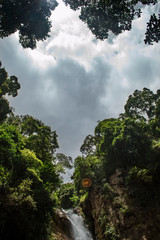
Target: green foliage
x: 22, y: 195
x: 142, y: 104
x: 64, y: 160
x: 86, y: 168
x: 108, y: 229
x: 108, y: 190
x: 26, y: 181
x: 120, y: 143
x: 50, y: 177
x: 31, y: 159
x: 39, y: 137
x: 17, y: 207
x: 4, y: 176
x: 88, y: 147
x: 131, y: 143
x: 11, y: 143
x: 153, y: 30
x: 108, y: 127
x: 116, y: 16
x: 156, y: 144
x: 30, y: 18
x: 68, y: 196
x: 139, y: 176
x: 102, y: 220
x: 55, y: 199
x: 75, y: 200
x: 110, y: 232
x: 8, y: 86
x: 127, y: 141
x: 84, y: 196
x: 41, y: 140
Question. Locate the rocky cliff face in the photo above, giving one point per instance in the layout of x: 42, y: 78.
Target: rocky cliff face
x: 61, y: 226
x: 115, y: 215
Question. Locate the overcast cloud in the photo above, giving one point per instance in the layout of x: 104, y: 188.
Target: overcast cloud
x: 73, y: 80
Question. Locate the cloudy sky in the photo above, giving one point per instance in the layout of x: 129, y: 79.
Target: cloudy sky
x: 73, y: 80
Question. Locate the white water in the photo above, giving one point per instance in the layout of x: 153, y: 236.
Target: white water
x: 80, y: 232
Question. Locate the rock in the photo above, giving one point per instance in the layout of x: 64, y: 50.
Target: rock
x: 62, y: 229
x: 77, y: 210
x: 119, y: 213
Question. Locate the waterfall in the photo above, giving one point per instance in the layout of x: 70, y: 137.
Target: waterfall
x: 80, y: 231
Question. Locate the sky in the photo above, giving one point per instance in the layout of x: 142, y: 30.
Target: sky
x: 72, y: 80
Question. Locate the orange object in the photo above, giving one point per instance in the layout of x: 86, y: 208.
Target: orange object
x: 86, y: 182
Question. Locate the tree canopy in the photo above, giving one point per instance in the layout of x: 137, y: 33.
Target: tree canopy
x: 88, y: 147
x: 130, y: 143
x: 29, y: 178
x: 23, y: 193
x: 105, y: 16
x: 143, y: 104
x: 30, y: 18
x: 8, y: 86
x: 153, y: 30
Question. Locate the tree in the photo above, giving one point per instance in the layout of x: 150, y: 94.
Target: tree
x: 67, y: 195
x: 8, y: 86
x: 63, y: 160
x: 143, y: 104
x: 88, y: 147
x: 153, y: 30
x: 127, y: 141
x: 115, y: 16
x: 40, y: 139
x: 106, y: 130
x: 30, y: 18
x: 11, y: 143
x: 90, y: 167
x: 103, y: 16
x: 130, y: 143
x: 26, y: 184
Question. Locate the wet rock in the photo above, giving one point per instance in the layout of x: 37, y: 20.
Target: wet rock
x: 62, y: 229
x: 77, y: 210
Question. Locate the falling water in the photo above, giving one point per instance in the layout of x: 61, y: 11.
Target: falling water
x: 80, y: 232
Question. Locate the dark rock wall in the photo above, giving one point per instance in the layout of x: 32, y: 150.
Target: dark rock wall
x: 115, y: 215
x: 62, y: 229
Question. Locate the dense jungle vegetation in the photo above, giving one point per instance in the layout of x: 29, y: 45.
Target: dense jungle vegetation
x: 129, y: 142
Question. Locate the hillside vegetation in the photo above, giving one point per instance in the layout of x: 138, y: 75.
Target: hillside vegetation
x: 122, y: 160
